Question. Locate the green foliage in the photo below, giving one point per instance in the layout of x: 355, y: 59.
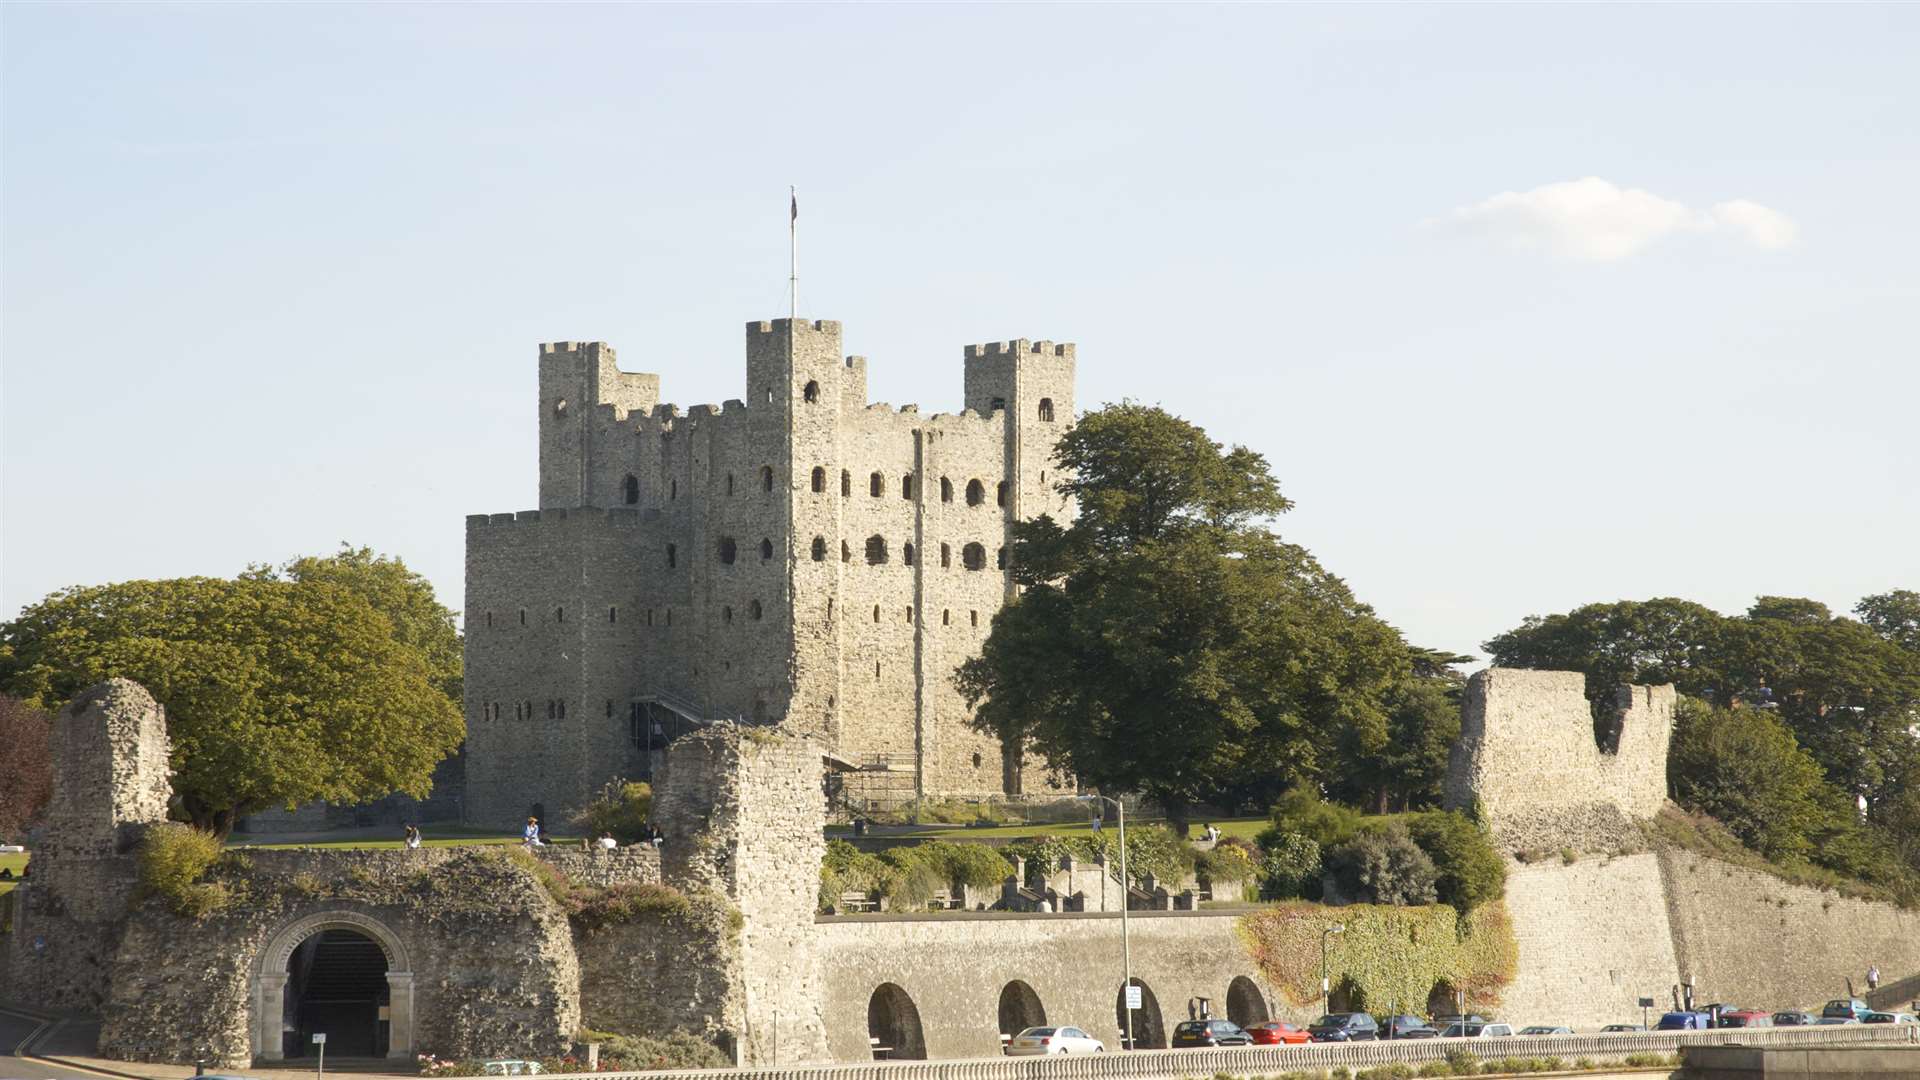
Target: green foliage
x: 1383, y: 865
x: 1393, y: 955
x: 1676, y: 829
x: 1403, y: 765
x: 1290, y: 866
x: 1152, y: 850
x: 1468, y: 869
x: 621, y: 809
x: 589, y: 907
x: 1164, y: 641
x: 277, y: 692
x: 1743, y: 767
x: 1301, y: 810
x: 1233, y: 858
x: 635, y: 1053
x: 174, y: 861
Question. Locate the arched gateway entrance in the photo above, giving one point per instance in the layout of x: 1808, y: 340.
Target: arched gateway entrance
x: 340, y: 973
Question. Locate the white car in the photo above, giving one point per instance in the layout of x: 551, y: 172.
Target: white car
x: 510, y: 1067
x: 1053, y: 1040
x: 1476, y: 1031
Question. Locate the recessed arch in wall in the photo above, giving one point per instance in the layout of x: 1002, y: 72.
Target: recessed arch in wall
x: 893, y: 1022
x: 976, y: 493
x: 1020, y: 1007
x: 271, y: 975
x: 1246, y: 1005
x: 630, y: 489
x: 1149, y: 1032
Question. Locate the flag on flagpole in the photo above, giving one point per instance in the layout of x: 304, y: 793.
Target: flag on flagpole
x: 796, y: 207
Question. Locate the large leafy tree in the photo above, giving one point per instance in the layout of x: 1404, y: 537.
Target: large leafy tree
x: 277, y: 691
x: 1743, y: 767
x: 1894, y: 615
x: 1165, y: 642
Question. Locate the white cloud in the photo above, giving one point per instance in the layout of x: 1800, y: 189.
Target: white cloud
x: 1592, y: 220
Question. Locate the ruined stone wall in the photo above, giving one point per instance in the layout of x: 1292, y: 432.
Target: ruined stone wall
x: 1747, y: 937
x: 1527, y: 760
x: 487, y: 954
x: 744, y: 814
x: 1594, y: 938
x: 747, y: 571
x: 659, y: 974
x: 110, y: 784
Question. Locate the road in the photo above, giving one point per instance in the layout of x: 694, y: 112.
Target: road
x: 14, y: 1030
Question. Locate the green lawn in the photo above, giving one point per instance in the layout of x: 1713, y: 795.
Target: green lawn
x: 459, y: 838
x: 1247, y: 827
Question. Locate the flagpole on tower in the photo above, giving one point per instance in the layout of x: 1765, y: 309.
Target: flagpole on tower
x: 793, y: 254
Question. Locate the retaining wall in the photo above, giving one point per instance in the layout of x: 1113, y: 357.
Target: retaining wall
x: 1594, y: 938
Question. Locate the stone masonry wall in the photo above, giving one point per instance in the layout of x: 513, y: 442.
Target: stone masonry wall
x: 1593, y: 937
x: 1528, y: 761
x: 799, y: 557
x: 1747, y: 937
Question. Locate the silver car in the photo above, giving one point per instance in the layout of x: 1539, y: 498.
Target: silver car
x: 1053, y: 1040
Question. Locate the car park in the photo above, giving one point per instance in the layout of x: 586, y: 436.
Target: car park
x: 1847, y: 1008
x: 1546, y: 1029
x: 1485, y: 1030
x: 1617, y: 1029
x: 1825, y: 1020
x: 1746, y: 1018
x: 1441, y: 1021
x: 1278, y: 1033
x: 1684, y: 1021
x: 1406, y: 1027
x: 1344, y: 1027
x: 1793, y: 1018
x: 1889, y: 1018
x: 1209, y: 1033
x: 1035, y: 1041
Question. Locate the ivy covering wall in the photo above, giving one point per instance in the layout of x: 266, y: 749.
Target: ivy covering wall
x: 1394, y: 956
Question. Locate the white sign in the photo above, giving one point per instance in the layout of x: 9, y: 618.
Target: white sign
x: 1133, y: 997
x: 320, y: 1039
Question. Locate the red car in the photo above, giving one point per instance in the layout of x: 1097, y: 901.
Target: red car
x: 1276, y: 1033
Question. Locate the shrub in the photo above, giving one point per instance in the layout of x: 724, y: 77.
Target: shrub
x: 1462, y: 1061
x: 1302, y: 810
x: 1468, y: 869
x: 173, y: 860
x: 1585, y: 1064
x: 1232, y: 859
x: 1290, y: 866
x: 674, y: 1050
x: 620, y: 809
x: 1383, y: 865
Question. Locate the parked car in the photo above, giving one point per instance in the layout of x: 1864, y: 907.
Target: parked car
x: 1684, y: 1021
x: 1344, y: 1027
x: 1406, y: 1027
x: 1616, y: 1028
x: 1889, y: 1018
x: 1825, y: 1020
x: 1746, y: 1018
x: 1546, y: 1029
x: 1210, y: 1033
x: 1486, y: 1030
x: 509, y: 1067
x: 1444, y: 1019
x: 1278, y: 1033
x: 1847, y: 1008
x: 1053, y: 1040
x: 1793, y: 1018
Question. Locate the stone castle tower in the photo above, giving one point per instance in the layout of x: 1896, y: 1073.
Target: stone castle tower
x: 800, y: 558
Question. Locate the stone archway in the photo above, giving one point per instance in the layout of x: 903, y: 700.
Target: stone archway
x: 1020, y: 1009
x: 893, y: 1025
x: 270, y: 975
x: 1246, y: 1005
x: 1149, y: 1030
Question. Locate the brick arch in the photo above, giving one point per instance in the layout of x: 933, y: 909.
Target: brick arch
x: 268, y: 992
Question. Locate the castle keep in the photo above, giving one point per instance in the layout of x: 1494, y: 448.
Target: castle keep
x: 799, y: 558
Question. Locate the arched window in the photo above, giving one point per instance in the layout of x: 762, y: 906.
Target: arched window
x: 909, y: 613
x: 673, y: 490
x: 726, y: 613
x: 846, y: 552
x: 489, y: 619
x: 829, y: 609
x: 766, y: 549
x: 630, y: 489
x: 946, y: 555
x: 876, y: 613
x: 846, y: 483
x: 766, y: 478
x: 876, y: 550
x: 946, y: 490
x: 946, y: 617
x: 976, y: 493
x: 559, y: 614
x: 812, y: 393
x: 613, y: 614
x: 729, y: 483
x: 974, y: 557
x: 819, y: 549
x: 1000, y: 557
x: 906, y: 554
x: 523, y: 616
x: 1046, y: 409
x: 1000, y: 496
x: 727, y: 550
x: 874, y: 484
x: 673, y: 556
x: 819, y: 480
x: 974, y: 617
x: 906, y: 486
x: 754, y: 610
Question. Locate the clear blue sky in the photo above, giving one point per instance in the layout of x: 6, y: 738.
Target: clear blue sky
x: 1527, y: 306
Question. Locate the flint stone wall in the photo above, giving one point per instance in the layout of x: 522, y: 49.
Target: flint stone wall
x: 638, y: 864
x: 493, y: 966
x: 1528, y: 760
x: 1593, y: 938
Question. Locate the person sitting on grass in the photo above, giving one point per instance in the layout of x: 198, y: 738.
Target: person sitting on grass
x: 533, y: 833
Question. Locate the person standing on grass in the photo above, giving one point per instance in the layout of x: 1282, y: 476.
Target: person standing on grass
x: 1873, y: 977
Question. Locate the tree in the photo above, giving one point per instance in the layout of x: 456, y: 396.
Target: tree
x: 277, y: 692
x: 1165, y: 642
x: 1743, y: 767
x: 1404, y: 768
x: 26, y: 769
x: 1894, y: 615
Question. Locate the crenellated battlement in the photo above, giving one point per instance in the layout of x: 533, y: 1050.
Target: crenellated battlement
x: 818, y: 326
x: 1020, y: 346
x: 619, y: 516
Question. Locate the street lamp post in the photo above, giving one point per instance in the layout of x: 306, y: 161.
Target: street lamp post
x: 1326, y: 976
x: 1126, y: 941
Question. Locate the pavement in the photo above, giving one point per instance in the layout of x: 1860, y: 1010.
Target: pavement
x: 46, y: 1047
